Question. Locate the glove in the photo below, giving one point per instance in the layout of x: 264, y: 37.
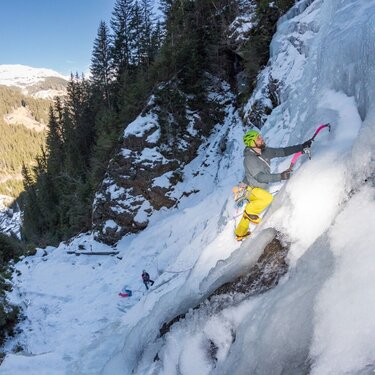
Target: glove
x: 306, y: 145
x: 286, y: 174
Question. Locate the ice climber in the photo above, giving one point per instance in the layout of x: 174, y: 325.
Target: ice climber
x: 258, y: 175
x: 146, y: 279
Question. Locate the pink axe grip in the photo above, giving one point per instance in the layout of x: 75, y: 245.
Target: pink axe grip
x: 295, y: 158
x: 319, y: 129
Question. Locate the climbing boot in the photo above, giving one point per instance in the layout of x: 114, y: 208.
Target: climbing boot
x: 241, y: 238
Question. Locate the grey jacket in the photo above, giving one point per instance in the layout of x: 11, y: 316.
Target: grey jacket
x: 257, y: 167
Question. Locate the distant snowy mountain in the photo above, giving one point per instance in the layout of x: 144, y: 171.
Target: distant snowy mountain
x: 37, y: 82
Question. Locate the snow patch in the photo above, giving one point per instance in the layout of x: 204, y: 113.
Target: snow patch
x: 141, y: 125
x: 163, y: 181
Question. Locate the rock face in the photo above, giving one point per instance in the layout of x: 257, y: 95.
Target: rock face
x: 10, y: 217
x: 263, y: 276
x: 154, y: 149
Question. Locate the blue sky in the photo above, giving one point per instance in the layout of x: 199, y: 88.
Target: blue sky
x: 55, y: 34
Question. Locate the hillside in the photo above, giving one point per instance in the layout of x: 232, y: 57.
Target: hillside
x: 26, y: 94
x: 23, y: 122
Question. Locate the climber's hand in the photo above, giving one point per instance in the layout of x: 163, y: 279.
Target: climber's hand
x: 286, y: 174
x: 306, y: 145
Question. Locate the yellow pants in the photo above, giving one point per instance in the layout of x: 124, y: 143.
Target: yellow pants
x: 260, y: 199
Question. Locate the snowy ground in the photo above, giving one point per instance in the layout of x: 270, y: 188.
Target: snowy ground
x: 319, y: 320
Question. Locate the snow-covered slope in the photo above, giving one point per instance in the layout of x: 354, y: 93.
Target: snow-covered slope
x: 38, y: 82
x: 88, y: 313
x: 318, y: 320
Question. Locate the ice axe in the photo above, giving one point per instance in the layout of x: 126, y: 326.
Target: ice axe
x: 307, y: 149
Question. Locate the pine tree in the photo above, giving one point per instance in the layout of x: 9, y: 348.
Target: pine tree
x: 54, y: 145
x: 107, y: 134
x: 183, y: 57
x: 135, y: 35
x: 78, y: 127
x: 39, y: 203
x: 101, y: 63
x: 156, y: 40
x: 45, y: 188
x: 28, y: 204
x: 79, y: 122
x: 147, y: 50
x: 121, y: 46
x: 27, y: 179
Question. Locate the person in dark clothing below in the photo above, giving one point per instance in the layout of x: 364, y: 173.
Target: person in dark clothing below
x: 146, y: 279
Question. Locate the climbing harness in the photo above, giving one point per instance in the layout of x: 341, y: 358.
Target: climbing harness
x: 241, y: 194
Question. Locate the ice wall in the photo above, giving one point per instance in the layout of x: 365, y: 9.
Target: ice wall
x: 317, y: 322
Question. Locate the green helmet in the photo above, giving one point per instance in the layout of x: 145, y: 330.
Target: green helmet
x: 250, y: 137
